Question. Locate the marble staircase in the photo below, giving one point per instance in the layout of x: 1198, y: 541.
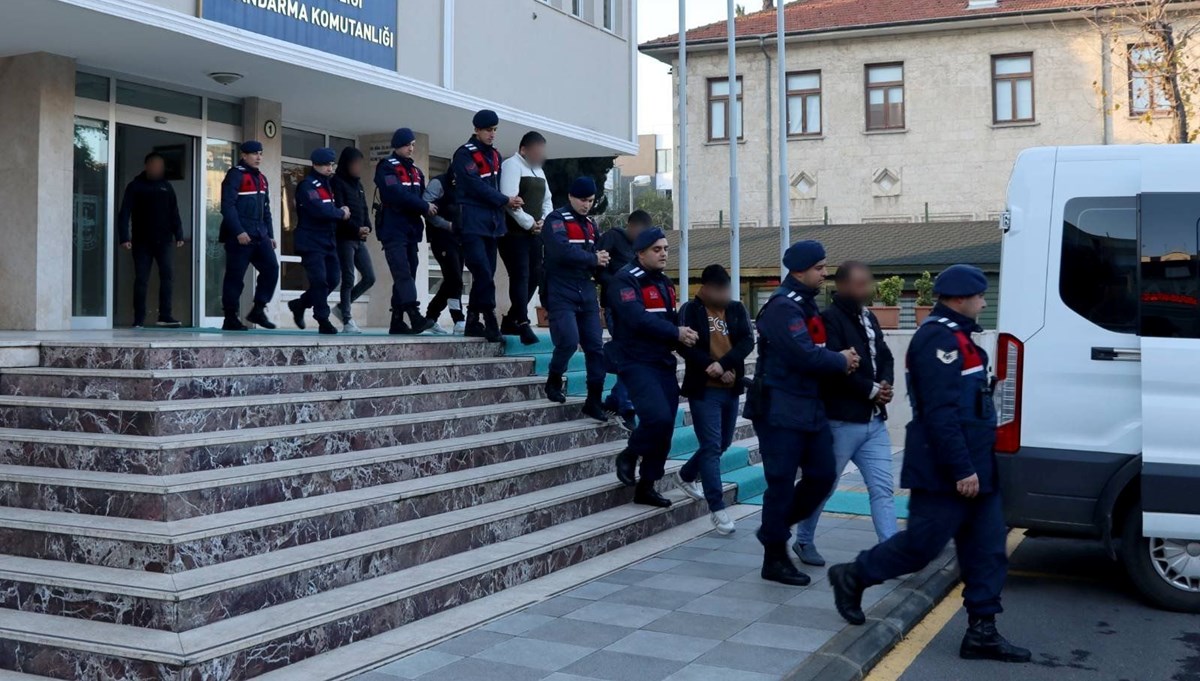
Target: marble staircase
x: 200, y: 509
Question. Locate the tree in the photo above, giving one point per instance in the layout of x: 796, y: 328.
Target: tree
x: 561, y: 172
x: 660, y: 208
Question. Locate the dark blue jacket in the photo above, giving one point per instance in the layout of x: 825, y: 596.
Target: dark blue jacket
x: 476, y: 169
x: 953, y: 431
x: 646, y: 323
x: 401, y: 187
x: 570, y: 242
x: 318, y: 215
x: 245, y: 205
x: 792, y: 358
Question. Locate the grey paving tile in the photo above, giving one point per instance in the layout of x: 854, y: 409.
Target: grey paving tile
x: 626, y: 576
x: 376, y: 676
x: 732, y: 608
x: 612, y: 666
x: 731, y: 558
x: 702, y: 626
x: 718, y: 542
x: 815, y: 618
x: 663, y: 646
x: 762, y: 590
x: 470, y: 643
x: 528, y: 652
x: 594, y: 591
x: 699, y: 672
x: 781, y: 636
x: 748, y: 546
x: 752, y: 658
x: 813, y: 598
x: 674, y: 582
x: 559, y: 676
x: 472, y: 669
x: 655, y: 598
x: 417, y: 664
x: 714, y: 570
x: 618, y: 614
x: 580, y: 633
x: 685, y: 553
x: 517, y: 623
x: 557, y: 606
x: 657, y: 564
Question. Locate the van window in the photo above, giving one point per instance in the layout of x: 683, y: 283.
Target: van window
x: 1098, y: 273
x: 1170, y: 283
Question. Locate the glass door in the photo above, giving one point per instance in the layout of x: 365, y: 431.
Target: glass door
x: 90, y: 225
x: 219, y: 156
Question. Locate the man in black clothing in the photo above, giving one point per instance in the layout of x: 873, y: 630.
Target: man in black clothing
x: 443, y: 236
x: 150, y: 204
x: 352, y: 235
x: 618, y: 243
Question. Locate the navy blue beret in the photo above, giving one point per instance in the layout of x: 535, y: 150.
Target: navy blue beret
x: 647, y: 238
x: 960, y: 281
x: 402, y: 138
x: 802, y: 255
x: 251, y: 147
x: 323, y: 156
x: 485, y: 119
x: 583, y: 188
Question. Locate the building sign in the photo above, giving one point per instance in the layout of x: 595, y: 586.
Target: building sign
x: 357, y: 29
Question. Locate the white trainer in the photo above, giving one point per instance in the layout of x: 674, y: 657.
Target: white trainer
x: 723, y: 523
x: 351, y: 327
x: 438, y: 330
x: 693, y: 489
x: 460, y: 328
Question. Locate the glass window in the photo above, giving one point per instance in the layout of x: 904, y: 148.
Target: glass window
x: 885, y: 96
x: 339, y: 143
x: 89, y: 223
x: 718, y: 109
x: 662, y: 161
x: 91, y: 86
x: 301, y: 143
x: 158, y: 99
x: 804, y: 103
x: 1098, y: 271
x: 1012, y: 83
x: 220, y: 111
x: 1148, y: 91
x: 610, y: 18
x: 1170, y: 278
x: 577, y: 7
x: 220, y: 156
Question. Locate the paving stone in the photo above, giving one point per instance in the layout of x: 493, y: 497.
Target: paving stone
x: 611, y: 666
x: 686, y: 553
x: 517, y: 623
x: 692, y: 624
x: 732, y: 608
x: 716, y: 543
x: 617, y: 614
x: 581, y: 633
x: 415, y: 665
x: 821, y: 600
x: 594, y: 591
x: 673, y: 582
x: 655, y: 598
x: 626, y: 577
x: 656, y: 565
x: 814, y: 618
x: 760, y: 591
x: 473, y: 669
x: 527, y: 652
x: 714, y: 570
x: 471, y: 642
x: 752, y: 658
x: 557, y: 606
x: 559, y: 676
x: 781, y: 636
x: 731, y: 558
x: 699, y: 672
x: 663, y: 646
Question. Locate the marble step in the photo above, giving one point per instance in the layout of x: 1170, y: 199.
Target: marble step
x: 180, y: 417
x: 252, y: 644
x: 259, y: 350
x: 173, y: 454
x: 187, y: 495
x: 186, y: 384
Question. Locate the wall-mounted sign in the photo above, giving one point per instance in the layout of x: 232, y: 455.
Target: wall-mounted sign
x: 358, y: 29
x: 270, y: 129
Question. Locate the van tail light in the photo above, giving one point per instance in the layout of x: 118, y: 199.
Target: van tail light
x: 1010, y: 356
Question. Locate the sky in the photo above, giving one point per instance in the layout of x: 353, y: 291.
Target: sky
x: 657, y: 18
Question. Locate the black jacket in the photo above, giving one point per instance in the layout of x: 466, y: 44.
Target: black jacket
x: 620, y: 252
x: 348, y: 191
x: 848, y: 398
x: 695, y: 380
x: 154, y: 211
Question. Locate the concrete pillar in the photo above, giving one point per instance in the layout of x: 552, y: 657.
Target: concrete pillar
x: 37, y: 109
x: 255, y: 114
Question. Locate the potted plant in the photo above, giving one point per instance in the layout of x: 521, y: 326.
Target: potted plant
x: 924, y: 286
x: 888, y: 291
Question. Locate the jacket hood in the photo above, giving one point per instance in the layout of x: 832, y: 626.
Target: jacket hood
x: 349, y: 155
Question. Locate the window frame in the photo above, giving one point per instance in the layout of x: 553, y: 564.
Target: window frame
x: 804, y: 95
x: 736, y: 94
x: 577, y: 8
x: 1011, y: 79
x: 1150, y: 79
x: 886, y: 87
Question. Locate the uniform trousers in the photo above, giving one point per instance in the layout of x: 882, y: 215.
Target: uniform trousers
x: 324, y: 271
x: 575, y: 323
x: 238, y: 259
x: 784, y: 452
x: 479, y: 252
x: 654, y: 390
x: 400, y: 250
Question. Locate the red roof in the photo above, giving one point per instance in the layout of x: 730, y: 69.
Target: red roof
x: 816, y: 16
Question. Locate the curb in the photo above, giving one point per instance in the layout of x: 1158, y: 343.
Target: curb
x: 854, y: 651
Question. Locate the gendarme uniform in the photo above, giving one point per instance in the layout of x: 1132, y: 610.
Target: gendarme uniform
x: 316, y: 242
x: 400, y: 225
x: 246, y: 209
x: 951, y: 437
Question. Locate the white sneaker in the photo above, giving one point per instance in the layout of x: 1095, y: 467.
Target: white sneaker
x: 438, y: 330
x: 351, y: 327
x: 460, y: 328
x: 693, y: 489
x: 723, y: 523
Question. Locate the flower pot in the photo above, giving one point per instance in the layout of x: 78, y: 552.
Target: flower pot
x: 543, y: 319
x: 922, y: 312
x: 888, y: 316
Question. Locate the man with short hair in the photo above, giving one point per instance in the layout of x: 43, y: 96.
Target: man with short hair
x: 400, y: 225
x: 316, y: 240
x: 249, y: 239
x: 352, y: 234
x: 618, y: 243
x: 521, y: 247
x: 150, y: 204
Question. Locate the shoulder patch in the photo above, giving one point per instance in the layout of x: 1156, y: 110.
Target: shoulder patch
x: 947, y: 356
x: 628, y: 295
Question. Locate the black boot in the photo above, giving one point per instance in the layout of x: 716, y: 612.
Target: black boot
x: 554, y: 389
x: 297, y: 309
x: 324, y: 327
x: 491, y: 330
x: 847, y: 592
x: 528, y: 337
x: 594, y: 406
x: 983, y: 642
x: 508, y: 326
x: 777, y: 567
x: 646, y: 495
x: 232, y: 323
x: 258, y: 315
x: 627, y: 468
x: 417, y: 322
x: 397, y: 327
x: 474, y: 328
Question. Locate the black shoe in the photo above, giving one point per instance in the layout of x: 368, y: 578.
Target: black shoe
x: 324, y: 327
x: 167, y: 321
x: 627, y: 468
x: 983, y: 642
x: 554, y: 389
x: 398, y: 327
x: 593, y: 407
x: 418, y: 323
x: 297, y: 309
x: 232, y: 323
x: 491, y: 330
x: 475, y: 330
x: 509, y: 327
x: 646, y: 495
x: 847, y: 592
x: 258, y: 315
x: 138, y: 324
x: 777, y: 567
x: 528, y: 337
x: 629, y: 420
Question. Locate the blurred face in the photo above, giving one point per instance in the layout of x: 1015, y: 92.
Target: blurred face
x: 858, y: 286
x: 812, y: 277
x: 582, y: 206
x: 252, y: 160
x: 355, y: 168
x: 654, y: 259
x: 407, y: 151
x: 632, y: 230
x: 486, y: 135
x: 717, y: 296
x: 970, y: 307
x: 155, y: 168
x: 325, y: 169
x: 534, y: 153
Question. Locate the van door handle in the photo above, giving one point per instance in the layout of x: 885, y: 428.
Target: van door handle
x: 1117, y: 354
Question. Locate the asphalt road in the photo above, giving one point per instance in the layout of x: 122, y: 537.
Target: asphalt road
x: 1076, y: 611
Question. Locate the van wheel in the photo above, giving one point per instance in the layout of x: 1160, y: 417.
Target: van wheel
x: 1165, y: 571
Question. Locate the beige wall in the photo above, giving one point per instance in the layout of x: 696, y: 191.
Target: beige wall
x: 645, y: 161
x: 950, y: 155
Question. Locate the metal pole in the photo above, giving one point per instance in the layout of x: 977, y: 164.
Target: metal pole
x: 681, y: 187
x: 785, y: 202
x: 735, y: 119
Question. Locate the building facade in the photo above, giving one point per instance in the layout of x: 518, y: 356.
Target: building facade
x: 88, y: 87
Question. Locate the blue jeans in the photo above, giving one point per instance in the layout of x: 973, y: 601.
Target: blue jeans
x: 714, y: 419
x: 618, y: 397
x: 870, y: 448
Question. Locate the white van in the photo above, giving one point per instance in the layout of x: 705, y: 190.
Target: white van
x: 1098, y: 359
